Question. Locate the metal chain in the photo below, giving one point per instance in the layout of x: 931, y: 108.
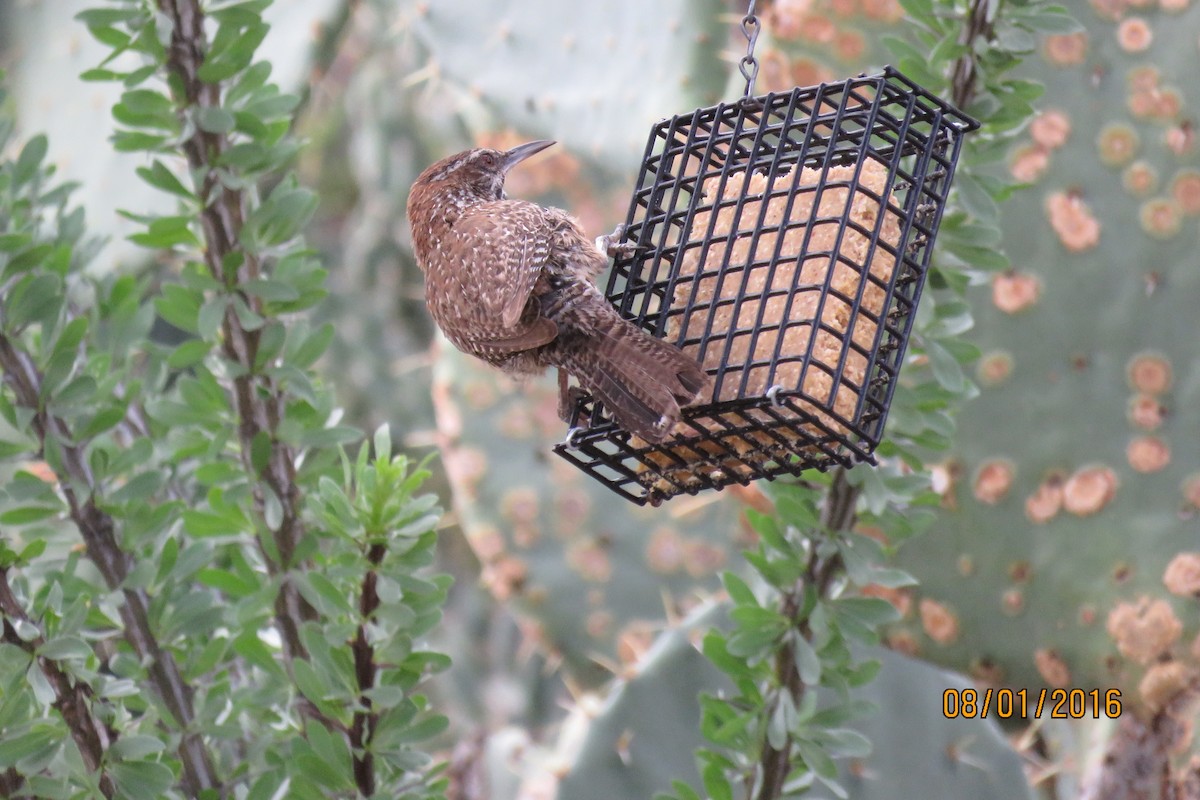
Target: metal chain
x: 749, y: 64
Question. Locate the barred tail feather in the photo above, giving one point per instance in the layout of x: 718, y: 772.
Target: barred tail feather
x: 642, y: 381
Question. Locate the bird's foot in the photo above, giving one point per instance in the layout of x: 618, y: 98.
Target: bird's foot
x: 567, y: 401
x: 610, y: 244
x: 567, y: 397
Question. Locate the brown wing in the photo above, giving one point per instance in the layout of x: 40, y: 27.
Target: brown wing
x: 510, y: 244
x: 539, y: 332
x: 516, y: 238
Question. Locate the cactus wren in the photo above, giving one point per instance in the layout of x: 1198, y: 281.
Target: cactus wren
x: 512, y: 283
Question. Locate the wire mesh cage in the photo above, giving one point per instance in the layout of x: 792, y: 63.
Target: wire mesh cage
x: 783, y: 241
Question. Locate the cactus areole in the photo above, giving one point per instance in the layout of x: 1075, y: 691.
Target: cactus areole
x: 783, y: 241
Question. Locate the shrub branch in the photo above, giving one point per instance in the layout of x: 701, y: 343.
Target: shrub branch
x: 838, y: 517
x: 963, y: 76
x: 258, y: 400
x: 365, y: 669
x: 98, y: 531
x: 72, y: 699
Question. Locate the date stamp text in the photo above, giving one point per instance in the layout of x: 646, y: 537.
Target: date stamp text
x: 1024, y: 704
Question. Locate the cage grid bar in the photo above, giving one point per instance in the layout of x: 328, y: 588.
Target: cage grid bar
x: 782, y: 240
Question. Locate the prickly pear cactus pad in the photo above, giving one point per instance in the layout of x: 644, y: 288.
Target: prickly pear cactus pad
x: 1068, y: 552
x: 634, y: 746
x: 589, y: 74
x: 594, y: 574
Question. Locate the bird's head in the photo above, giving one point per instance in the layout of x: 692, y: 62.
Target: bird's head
x: 478, y: 174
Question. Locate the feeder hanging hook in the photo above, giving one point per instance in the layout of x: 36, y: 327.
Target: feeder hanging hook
x: 749, y: 64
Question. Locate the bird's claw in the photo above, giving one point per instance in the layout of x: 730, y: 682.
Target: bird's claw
x: 568, y: 398
x: 611, y: 245
x: 567, y: 401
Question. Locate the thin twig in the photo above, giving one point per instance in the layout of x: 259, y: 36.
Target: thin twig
x: 965, y: 72
x: 72, y: 699
x: 837, y: 517
x: 363, y: 727
x: 10, y: 782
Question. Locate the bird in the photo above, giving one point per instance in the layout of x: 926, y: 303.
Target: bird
x: 512, y: 283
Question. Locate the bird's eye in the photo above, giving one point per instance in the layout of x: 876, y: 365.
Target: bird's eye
x: 488, y: 160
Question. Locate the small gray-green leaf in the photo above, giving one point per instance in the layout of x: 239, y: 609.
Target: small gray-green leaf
x: 33, y: 299
x: 271, y: 290
x: 160, y: 177
x: 312, y: 348
x: 214, y: 120
x: 179, y: 306
x: 272, y: 509
x: 808, y: 663
x: 16, y: 747
x: 211, y: 314
x: 30, y: 159
x: 383, y: 443
x: 61, y: 647
x: 132, y: 747
x: 26, y: 630
x: 142, y: 778
x: 946, y: 369
x: 189, y: 353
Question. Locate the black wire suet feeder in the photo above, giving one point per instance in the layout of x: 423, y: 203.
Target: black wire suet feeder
x: 783, y: 240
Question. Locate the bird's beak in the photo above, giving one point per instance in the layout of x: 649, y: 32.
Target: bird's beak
x: 524, y: 151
